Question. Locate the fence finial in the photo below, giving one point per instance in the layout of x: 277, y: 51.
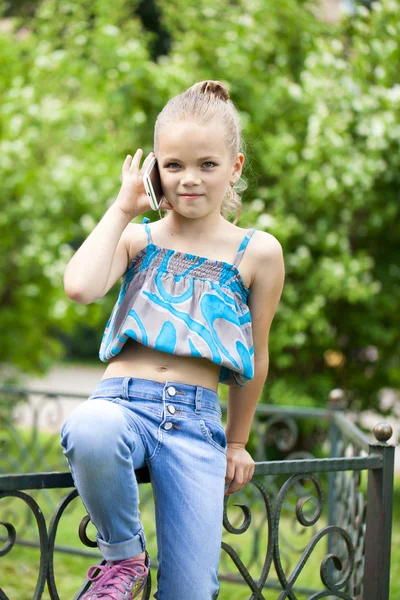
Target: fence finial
x: 337, y: 399
x: 383, y: 431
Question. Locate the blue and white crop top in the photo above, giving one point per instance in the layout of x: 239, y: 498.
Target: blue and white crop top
x: 187, y: 305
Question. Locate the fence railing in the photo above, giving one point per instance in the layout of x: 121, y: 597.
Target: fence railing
x: 306, y: 523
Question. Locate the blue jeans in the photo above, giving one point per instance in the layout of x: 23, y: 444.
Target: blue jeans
x: 175, y: 430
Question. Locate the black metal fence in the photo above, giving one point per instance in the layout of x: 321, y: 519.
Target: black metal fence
x: 307, y: 525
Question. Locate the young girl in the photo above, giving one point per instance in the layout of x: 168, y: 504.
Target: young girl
x: 197, y: 300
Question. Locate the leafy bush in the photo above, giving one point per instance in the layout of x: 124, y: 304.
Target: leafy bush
x: 320, y: 104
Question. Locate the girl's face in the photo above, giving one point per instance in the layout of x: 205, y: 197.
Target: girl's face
x: 193, y: 159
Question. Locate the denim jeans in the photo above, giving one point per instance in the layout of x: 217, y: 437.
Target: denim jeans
x: 175, y: 430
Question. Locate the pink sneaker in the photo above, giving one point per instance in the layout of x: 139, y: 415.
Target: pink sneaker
x: 120, y: 580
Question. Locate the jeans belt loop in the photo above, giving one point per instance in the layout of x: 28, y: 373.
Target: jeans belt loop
x: 199, y: 392
x: 125, y: 388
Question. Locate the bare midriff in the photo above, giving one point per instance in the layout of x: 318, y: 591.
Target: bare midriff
x: 137, y: 360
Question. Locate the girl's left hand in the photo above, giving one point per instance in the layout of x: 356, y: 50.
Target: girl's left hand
x: 239, y: 467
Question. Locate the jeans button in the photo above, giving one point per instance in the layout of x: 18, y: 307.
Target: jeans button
x: 171, y: 390
x: 171, y: 408
x: 168, y: 425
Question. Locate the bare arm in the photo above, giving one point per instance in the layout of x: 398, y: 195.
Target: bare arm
x: 264, y: 298
x: 102, y: 258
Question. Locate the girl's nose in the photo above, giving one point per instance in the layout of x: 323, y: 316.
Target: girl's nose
x: 190, y: 179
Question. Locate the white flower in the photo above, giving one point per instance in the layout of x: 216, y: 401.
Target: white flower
x: 58, y: 54
x: 362, y: 11
x: 81, y: 40
x: 231, y: 36
x: 377, y: 127
x: 294, y: 90
x: 331, y: 239
x: 59, y: 309
x: 77, y: 131
x: 27, y: 92
x: 257, y: 205
x: 209, y: 12
x: 87, y: 221
x: 380, y: 72
x: 299, y: 338
x: 124, y: 66
x: 110, y: 30
x: 133, y: 45
x: 337, y: 45
x: 264, y: 221
x: 338, y: 269
x: 303, y: 252
x: 393, y: 94
x: 307, y: 153
x: 245, y: 20
x: 16, y: 124
x: 139, y: 117
x: 311, y: 61
x: 331, y: 184
x: 348, y: 179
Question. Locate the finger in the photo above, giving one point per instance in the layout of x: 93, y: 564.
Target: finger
x: 238, y: 480
x: 230, y: 475
x: 232, y: 489
x: 146, y: 162
x: 126, y: 164
x: 136, y: 160
x: 248, y: 474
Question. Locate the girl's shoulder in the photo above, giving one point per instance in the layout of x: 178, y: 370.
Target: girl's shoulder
x: 261, y: 242
x: 265, y: 244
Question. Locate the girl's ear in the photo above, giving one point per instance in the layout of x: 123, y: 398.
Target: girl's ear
x: 238, y: 166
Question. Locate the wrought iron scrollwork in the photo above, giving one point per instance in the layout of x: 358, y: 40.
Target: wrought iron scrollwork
x: 12, y: 535
x: 330, y: 559
x: 331, y: 563
x: 294, y: 536
x: 255, y: 586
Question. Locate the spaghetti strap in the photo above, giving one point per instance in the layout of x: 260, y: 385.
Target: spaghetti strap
x: 243, y: 246
x: 146, y: 220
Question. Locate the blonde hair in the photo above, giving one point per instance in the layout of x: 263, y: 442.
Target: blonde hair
x: 204, y: 102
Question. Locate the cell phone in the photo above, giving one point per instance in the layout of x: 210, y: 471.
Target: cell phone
x: 152, y: 184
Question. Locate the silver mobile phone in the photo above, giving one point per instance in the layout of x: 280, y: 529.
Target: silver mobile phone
x: 152, y: 184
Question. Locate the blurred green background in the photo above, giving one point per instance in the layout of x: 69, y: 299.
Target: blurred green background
x: 82, y: 83
x: 319, y: 98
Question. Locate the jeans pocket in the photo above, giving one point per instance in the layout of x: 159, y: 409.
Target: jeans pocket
x: 214, y: 433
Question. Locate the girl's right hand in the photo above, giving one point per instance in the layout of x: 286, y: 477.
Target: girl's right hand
x: 132, y: 198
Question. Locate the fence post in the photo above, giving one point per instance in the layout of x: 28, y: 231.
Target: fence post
x: 379, y: 518
x: 336, y: 403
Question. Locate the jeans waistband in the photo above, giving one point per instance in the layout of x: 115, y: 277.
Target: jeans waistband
x: 170, y: 390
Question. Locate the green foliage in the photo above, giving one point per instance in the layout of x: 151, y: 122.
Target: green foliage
x: 320, y: 108
x: 66, y: 109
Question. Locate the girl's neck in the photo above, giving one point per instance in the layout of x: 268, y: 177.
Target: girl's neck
x: 196, y: 229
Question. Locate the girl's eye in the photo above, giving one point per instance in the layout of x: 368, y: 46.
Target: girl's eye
x: 176, y: 164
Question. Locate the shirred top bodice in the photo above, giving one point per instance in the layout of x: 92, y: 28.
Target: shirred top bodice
x: 186, y: 305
